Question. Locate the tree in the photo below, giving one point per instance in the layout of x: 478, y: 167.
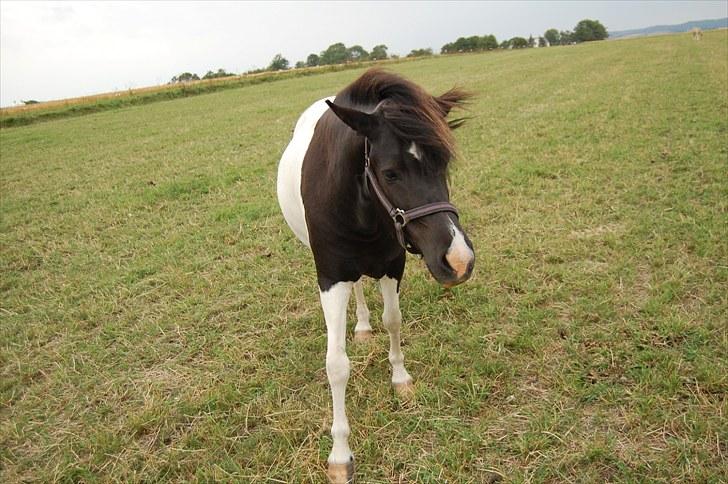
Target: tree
x: 215, y: 75
x: 588, y: 30
x: 356, y: 53
x: 185, y: 77
x: 518, y: 43
x: 475, y: 43
x: 300, y: 65
x: 334, y: 54
x: 542, y: 42
x: 566, y: 37
x: 379, y: 52
x: 313, y: 60
x: 552, y: 36
x: 531, y: 41
x: 489, y: 42
x: 506, y: 44
x: 420, y: 52
x: 279, y: 63
x: 462, y: 45
x: 470, y: 44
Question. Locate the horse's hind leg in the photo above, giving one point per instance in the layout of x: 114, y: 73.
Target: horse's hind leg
x: 392, y: 319
x: 362, y: 330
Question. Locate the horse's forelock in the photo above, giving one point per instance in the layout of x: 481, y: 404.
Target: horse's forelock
x: 412, y: 113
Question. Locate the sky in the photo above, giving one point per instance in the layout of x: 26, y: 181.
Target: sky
x: 56, y: 50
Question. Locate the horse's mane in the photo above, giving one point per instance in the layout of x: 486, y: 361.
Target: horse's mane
x: 412, y: 113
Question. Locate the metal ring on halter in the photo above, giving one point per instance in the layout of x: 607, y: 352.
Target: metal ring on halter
x: 399, y: 216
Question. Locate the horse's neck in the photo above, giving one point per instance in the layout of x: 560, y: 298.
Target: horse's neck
x: 354, y: 201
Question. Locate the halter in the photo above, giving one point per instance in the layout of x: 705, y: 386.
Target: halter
x: 401, y: 217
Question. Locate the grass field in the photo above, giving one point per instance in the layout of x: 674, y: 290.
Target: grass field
x: 160, y: 323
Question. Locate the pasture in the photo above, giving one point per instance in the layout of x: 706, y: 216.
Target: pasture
x: 159, y: 322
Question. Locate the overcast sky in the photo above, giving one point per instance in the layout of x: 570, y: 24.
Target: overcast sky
x: 53, y: 50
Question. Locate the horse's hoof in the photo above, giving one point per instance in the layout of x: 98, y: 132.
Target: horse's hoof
x: 405, y: 390
x: 340, y: 473
x: 363, y: 336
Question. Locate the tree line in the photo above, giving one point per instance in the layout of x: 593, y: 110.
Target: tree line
x: 585, y: 31
x: 189, y: 76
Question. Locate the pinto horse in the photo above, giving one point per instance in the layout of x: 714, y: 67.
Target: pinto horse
x: 363, y: 180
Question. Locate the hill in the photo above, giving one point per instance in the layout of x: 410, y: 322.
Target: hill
x: 160, y: 323
x: 720, y: 23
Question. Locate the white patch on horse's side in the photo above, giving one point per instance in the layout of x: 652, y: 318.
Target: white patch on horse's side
x: 414, y: 151
x: 458, y: 255
x: 290, y: 166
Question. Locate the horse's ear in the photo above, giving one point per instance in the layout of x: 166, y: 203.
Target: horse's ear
x: 361, y: 122
x: 454, y: 98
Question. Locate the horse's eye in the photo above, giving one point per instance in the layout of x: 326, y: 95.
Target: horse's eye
x: 390, y: 175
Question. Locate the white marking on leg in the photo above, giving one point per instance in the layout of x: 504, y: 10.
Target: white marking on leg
x: 362, y: 311
x: 459, y: 256
x: 392, y: 319
x: 414, y: 151
x: 334, y: 302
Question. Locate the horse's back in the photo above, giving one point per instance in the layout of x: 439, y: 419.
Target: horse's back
x: 290, y: 166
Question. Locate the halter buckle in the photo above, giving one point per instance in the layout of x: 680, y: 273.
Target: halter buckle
x: 398, y: 215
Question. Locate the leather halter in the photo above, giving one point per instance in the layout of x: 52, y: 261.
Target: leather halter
x: 401, y: 217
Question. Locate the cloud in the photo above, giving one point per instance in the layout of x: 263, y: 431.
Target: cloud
x: 51, y: 50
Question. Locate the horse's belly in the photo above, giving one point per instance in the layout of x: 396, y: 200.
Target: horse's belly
x: 290, y: 166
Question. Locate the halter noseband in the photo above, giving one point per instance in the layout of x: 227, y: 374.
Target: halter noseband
x: 401, y: 217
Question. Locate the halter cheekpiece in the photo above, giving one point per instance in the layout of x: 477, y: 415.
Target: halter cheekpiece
x: 401, y: 217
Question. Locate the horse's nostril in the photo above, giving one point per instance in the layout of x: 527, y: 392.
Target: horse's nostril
x: 445, y: 263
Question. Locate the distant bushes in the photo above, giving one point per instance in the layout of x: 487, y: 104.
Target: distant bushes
x: 470, y: 44
x: 420, y: 52
x: 184, y: 77
x: 189, y: 76
x: 585, y: 31
x: 217, y: 75
x: 338, y: 53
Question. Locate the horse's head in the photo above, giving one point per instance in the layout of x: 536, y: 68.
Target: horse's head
x: 410, y: 146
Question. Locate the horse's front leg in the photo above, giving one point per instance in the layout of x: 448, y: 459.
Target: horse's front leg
x: 334, y: 301
x: 392, y: 319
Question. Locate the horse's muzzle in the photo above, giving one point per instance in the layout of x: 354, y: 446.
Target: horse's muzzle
x: 462, y: 273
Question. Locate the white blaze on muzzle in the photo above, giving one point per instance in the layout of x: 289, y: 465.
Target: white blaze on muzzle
x: 459, y: 256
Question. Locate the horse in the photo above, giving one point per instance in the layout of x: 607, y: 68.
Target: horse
x: 363, y: 181
x: 697, y: 33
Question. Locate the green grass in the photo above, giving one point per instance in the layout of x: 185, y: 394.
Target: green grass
x: 159, y: 322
